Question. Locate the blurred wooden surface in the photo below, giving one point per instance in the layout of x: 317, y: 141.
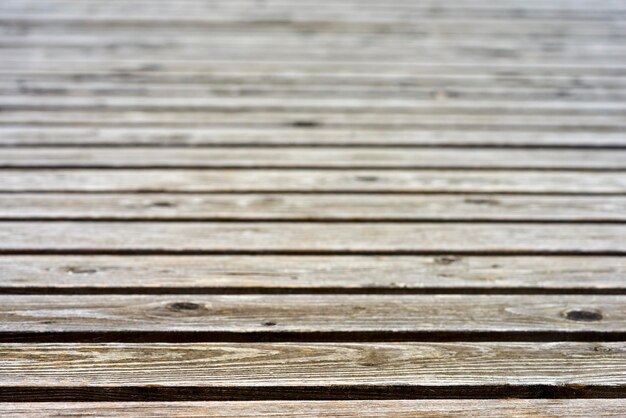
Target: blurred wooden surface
x: 313, y: 208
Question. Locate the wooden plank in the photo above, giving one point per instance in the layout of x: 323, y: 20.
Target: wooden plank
x: 241, y: 180
x: 531, y: 120
x: 274, y: 12
x: 36, y: 88
x: 204, y: 69
x: 408, y: 158
x: 283, y: 371
x: 282, y: 237
x: 436, y: 56
x: 317, y: 207
x: 347, y: 409
x: 438, y: 51
x: 357, y: 316
x: 162, y: 41
x: 383, y: 107
x: 185, y: 136
x: 198, y: 274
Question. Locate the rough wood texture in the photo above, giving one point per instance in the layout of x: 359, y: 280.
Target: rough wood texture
x: 94, y: 371
x: 248, y: 200
x: 313, y: 273
x: 240, y: 314
x: 407, y: 158
x: 343, y: 409
x: 319, y: 207
x: 330, y: 137
x: 313, y: 237
x: 299, y: 180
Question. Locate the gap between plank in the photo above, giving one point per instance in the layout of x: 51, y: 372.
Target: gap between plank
x: 330, y: 392
x: 310, y: 337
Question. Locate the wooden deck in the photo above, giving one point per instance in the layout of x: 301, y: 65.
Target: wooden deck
x: 312, y: 208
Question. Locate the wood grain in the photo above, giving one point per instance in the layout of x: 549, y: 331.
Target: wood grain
x: 346, y: 181
x: 15, y: 135
x: 533, y: 120
x: 197, y: 274
x: 312, y: 207
x: 275, y: 371
x: 476, y: 158
x: 218, y: 316
x: 311, y: 238
x: 346, y: 409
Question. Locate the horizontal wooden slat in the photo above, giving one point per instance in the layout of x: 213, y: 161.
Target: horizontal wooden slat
x: 313, y: 158
x: 436, y: 56
x: 443, y: 52
x: 241, y: 180
x: 345, y: 409
x: 172, y: 136
x: 205, y: 69
x: 311, y: 237
x: 532, y: 120
x: 247, y: 12
x: 310, y: 91
x: 222, y: 371
x: 312, y: 273
x: 319, y: 207
x: 275, y: 314
x: 344, y: 105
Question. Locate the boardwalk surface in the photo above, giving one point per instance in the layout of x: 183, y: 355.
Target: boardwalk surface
x: 312, y: 208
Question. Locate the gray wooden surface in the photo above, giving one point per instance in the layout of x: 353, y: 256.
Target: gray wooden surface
x: 309, y: 207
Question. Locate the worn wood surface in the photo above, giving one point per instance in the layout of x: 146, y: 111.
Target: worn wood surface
x: 411, y: 158
x: 312, y: 207
x: 311, y: 180
x: 313, y: 237
x: 312, y: 200
x: 275, y: 274
x: 321, y: 370
x: 352, y: 409
x: 385, y: 314
x: 292, y: 136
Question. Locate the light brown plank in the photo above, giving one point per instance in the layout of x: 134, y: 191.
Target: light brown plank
x: 318, y: 207
x: 337, y: 105
x: 172, y: 136
x: 346, y: 409
x: 241, y: 180
x: 313, y: 158
x: 392, y: 315
x: 310, y: 91
x: 217, y: 237
x: 603, y: 119
x: 219, y: 371
x: 312, y: 273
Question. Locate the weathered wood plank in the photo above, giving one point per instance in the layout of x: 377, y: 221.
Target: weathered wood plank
x: 443, y: 52
x: 346, y: 409
x: 389, y: 315
x: 172, y: 136
x: 413, y: 158
x: 310, y: 91
x: 218, y: 237
x: 205, y: 69
x: 275, y: 371
x: 313, y: 273
x: 531, y: 120
x: 242, y: 180
x: 318, y: 207
x: 286, y: 11
x: 383, y: 107
x: 185, y: 136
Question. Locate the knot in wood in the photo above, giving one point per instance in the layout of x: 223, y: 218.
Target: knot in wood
x: 184, y: 306
x: 585, y: 315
